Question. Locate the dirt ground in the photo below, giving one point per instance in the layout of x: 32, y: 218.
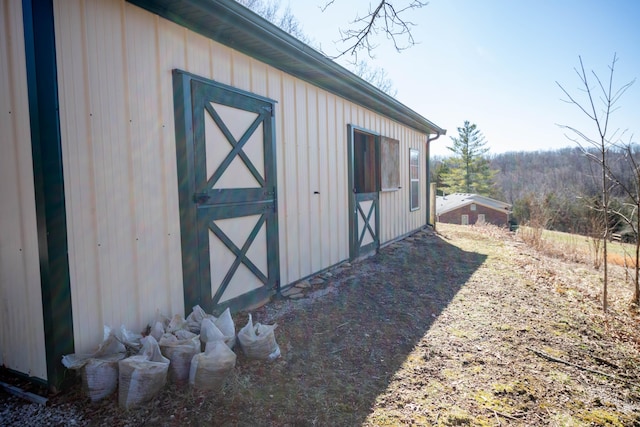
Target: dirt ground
x: 467, y: 326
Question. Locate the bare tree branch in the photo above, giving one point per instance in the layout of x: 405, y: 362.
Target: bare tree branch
x: 385, y: 18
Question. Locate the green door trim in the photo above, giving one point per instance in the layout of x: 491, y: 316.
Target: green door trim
x: 48, y: 177
x: 201, y: 204
x: 356, y: 250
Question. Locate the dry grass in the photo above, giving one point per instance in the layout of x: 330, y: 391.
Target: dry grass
x: 577, y: 248
x: 434, y: 330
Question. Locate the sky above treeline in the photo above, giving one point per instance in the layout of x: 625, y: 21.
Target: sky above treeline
x: 496, y: 64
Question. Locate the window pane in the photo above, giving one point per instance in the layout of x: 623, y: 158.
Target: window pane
x: 415, y: 195
x: 414, y: 163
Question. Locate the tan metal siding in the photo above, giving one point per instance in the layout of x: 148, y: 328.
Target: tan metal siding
x: 288, y: 186
x: 116, y: 111
x: 115, y: 63
x: 22, y: 339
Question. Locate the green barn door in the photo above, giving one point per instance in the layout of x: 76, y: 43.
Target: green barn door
x: 233, y: 253
x: 364, y: 181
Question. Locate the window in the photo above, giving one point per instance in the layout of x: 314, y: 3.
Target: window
x: 390, y: 164
x: 473, y: 206
x: 414, y: 178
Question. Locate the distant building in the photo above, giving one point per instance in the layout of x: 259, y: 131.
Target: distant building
x: 465, y: 209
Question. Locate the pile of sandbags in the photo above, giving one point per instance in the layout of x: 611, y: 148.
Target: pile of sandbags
x: 197, y: 351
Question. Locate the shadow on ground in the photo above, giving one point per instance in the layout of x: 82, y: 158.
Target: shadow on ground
x: 341, y: 351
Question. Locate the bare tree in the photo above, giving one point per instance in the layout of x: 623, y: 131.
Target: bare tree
x: 376, y: 76
x: 602, y: 141
x: 285, y: 20
x: 630, y: 212
x: 387, y: 17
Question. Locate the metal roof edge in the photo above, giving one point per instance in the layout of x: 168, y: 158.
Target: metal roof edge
x: 218, y: 19
x: 472, y: 199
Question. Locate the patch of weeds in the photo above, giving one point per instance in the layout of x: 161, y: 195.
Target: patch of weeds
x: 553, y: 352
x: 488, y: 400
x: 603, y: 417
x: 477, y: 369
x: 433, y: 388
x: 457, y: 417
x: 450, y: 373
x: 560, y: 377
x: 504, y: 327
x: 459, y: 333
x: 562, y: 326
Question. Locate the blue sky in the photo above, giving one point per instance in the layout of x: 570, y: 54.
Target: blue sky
x: 496, y: 63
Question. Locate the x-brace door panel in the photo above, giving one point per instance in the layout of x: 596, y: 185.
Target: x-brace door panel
x: 234, y: 196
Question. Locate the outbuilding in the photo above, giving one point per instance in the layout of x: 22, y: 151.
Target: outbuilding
x: 465, y: 209
x: 158, y: 154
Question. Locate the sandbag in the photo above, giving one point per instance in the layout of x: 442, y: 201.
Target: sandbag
x: 258, y: 341
x: 225, y: 324
x: 195, y: 318
x: 180, y: 353
x: 209, y: 370
x: 209, y: 332
x: 157, y: 330
x: 177, y: 322
x: 100, y: 376
x: 141, y: 377
x: 99, y: 370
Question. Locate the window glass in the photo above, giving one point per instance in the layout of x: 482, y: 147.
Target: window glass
x: 414, y: 178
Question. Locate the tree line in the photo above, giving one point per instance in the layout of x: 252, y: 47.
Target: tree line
x: 563, y: 182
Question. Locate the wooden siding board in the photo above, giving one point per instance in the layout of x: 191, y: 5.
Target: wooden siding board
x: 259, y: 77
x: 303, y: 178
x: 144, y: 133
x: 325, y: 176
x: 343, y: 118
x: 79, y: 159
x: 241, y: 69
x: 316, y: 210
x: 170, y: 55
x: 20, y: 295
x: 222, y: 63
x: 289, y: 222
x: 197, y: 49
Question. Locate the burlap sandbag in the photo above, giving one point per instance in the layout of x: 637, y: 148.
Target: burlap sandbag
x: 141, y: 377
x: 258, y: 341
x: 179, y: 352
x: 209, y: 370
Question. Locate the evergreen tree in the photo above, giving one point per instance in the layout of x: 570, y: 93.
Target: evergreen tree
x: 469, y: 170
